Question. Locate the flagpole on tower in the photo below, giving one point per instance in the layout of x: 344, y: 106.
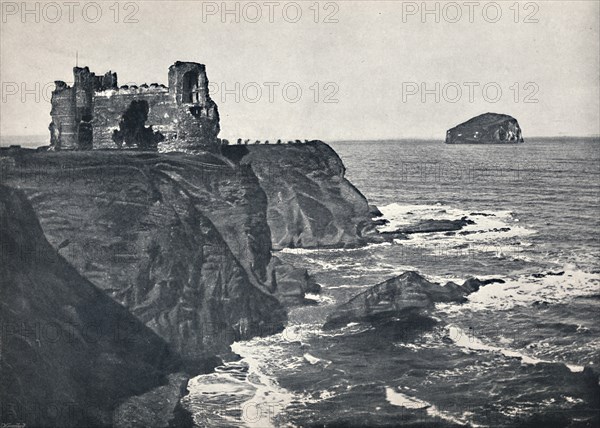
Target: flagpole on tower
x: 76, y: 58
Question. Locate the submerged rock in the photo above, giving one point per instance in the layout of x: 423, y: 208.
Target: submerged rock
x: 488, y: 128
x: 404, y: 297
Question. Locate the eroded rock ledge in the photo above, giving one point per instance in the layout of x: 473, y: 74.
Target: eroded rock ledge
x: 405, y: 297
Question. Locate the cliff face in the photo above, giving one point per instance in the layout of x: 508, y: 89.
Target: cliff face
x: 182, y: 241
x: 488, y: 128
x: 310, y: 203
x: 69, y: 353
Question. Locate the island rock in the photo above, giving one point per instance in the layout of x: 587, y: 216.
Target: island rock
x: 488, y: 128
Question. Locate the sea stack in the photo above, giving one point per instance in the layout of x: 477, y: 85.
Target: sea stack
x: 488, y: 128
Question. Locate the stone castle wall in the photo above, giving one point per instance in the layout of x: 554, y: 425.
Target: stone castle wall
x: 109, y: 107
x: 87, y: 115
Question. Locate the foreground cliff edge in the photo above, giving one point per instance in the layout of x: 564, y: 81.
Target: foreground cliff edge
x: 70, y: 354
x: 488, y: 128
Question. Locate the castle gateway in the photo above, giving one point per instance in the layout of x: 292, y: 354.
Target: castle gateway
x: 95, y: 113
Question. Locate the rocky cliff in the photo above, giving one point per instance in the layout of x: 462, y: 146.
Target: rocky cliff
x: 180, y: 240
x: 310, y: 203
x: 68, y: 353
x: 488, y: 128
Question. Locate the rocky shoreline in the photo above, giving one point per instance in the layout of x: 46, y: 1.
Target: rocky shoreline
x: 181, y: 247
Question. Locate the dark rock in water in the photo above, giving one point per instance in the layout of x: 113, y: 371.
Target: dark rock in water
x: 374, y: 211
x: 70, y: 353
x: 483, y: 214
x: 471, y: 285
x: 380, y: 222
x: 429, y: 226
x: 488, y: 128
x: 390, y: 236
x: 537, y: 303
x: 290, y: 284
x: 495, y: 229
x: 542, y: 275
x: 310, y: 203
x: 404, y: 297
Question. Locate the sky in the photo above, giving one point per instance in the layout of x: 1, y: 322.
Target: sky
x: 339, y: 70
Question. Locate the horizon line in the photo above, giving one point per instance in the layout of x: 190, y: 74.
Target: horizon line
x: 354, y: 139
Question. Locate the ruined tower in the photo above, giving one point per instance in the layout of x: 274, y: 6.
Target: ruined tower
x: 95, y: 113
x: 72, y: 108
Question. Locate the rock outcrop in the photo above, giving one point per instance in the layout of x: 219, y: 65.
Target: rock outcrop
x: 310, y: 203
x: 428, y: 226
x: 403, y: 297
x: 488, y: 128
x: 69, y: 354
x: 180, y: 240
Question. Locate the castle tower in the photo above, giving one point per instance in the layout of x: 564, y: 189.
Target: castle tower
x: 188, y: 83
x: 198, y: 116
x: 64, y: 125
x: 72, y: 110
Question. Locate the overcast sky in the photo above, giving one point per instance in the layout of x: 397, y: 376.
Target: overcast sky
x: 361, y: 74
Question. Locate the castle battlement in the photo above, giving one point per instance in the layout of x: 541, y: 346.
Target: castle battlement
x: 130, y: 90
x: 95, y: 113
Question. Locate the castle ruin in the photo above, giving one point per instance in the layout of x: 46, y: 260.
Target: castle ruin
x: 95, y: 113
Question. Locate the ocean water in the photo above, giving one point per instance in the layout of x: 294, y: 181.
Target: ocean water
x: 513, y: 355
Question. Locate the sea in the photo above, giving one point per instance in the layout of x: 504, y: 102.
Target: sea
x: 515, y: 354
